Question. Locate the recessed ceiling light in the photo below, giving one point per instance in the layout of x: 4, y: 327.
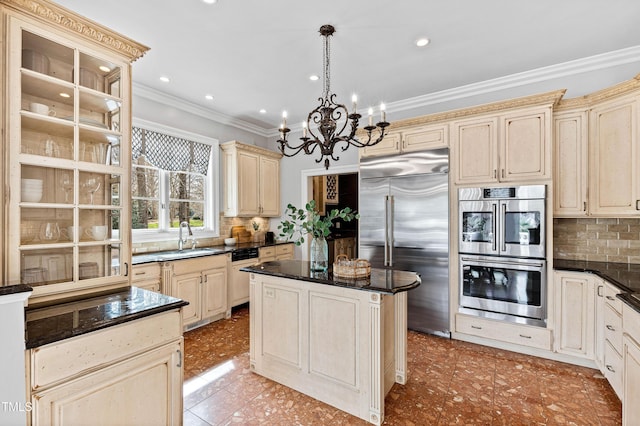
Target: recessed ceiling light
x: 314, y: 77
x: 263, y: 111
x: 65, y: 95
x: 208, y: 97
x: 104, y: 68
x: 164, y: 79
x: 421, y: 42
x: 210, y: 1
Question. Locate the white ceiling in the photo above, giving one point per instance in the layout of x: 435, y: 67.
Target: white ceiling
x: 253, y: 54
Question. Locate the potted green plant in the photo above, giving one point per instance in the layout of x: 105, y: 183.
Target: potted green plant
x: 308, y: 221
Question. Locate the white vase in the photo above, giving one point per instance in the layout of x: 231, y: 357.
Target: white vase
x: 319, y: 254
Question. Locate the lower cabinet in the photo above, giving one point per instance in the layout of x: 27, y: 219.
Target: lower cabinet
x: 203, y: 283
x: 147, y: 276
x: 127, y: 374
x: 631, y: 367
x: 575, y: 314
x: 284, y: 252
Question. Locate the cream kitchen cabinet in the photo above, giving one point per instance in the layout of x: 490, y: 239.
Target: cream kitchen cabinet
x: 570, y: 163
x: 614, y: 157
x: 203, y: 283
x: 66, y: 139
x: 251, y: 180
x: 575, y: 314
x: 631, y: 366
x: 415, y: 138
x: 267, y: 254
x: 147, y: 276
x: 516, y: 334
x: 612, y: 365
x: 284, y: 252
x: 508, y: 147
x: 131, y: 372
x: 239, y: 283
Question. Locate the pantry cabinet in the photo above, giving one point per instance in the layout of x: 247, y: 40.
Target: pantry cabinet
x: 203, y: 283
x: 415, y: 138
x: 251, y: 180
x: 506, y: 147
x: 66, y: 140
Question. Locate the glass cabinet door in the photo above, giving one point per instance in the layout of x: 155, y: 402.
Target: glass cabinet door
x: 69, y: 173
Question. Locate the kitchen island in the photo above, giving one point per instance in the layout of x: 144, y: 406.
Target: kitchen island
x: 341, y: 341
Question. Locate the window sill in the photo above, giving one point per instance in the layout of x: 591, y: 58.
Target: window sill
x: 139, y: 237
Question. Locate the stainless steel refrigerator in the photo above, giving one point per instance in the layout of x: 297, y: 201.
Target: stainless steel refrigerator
x: 404, y: 224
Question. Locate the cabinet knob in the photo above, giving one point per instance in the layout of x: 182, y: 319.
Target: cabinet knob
x: 610, y: 327
x: 610, y: 368
x: 611, y: 298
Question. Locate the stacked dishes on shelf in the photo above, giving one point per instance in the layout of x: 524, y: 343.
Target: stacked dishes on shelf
x: 31, y: 190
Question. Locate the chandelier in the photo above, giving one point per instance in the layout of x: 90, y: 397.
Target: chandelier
x: 331, y: 120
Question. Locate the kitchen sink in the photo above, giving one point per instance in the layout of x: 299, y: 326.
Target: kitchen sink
x: 188, y: 253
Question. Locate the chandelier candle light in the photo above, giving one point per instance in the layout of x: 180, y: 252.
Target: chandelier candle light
x: 331, y: 120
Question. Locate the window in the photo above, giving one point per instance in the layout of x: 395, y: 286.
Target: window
x: 173, y: 179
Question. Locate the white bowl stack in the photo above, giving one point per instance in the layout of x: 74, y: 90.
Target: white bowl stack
x: 31, y: 190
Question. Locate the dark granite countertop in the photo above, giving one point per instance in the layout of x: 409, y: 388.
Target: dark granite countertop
x: 382, y: 280
x: 625, y: 276
x: 57, y: 322
x: 6, y: 290
x: 171, y: 255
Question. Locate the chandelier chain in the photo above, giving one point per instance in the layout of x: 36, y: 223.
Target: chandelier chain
x: 326, y: 66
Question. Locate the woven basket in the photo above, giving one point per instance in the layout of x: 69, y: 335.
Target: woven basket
x: 354, y: 269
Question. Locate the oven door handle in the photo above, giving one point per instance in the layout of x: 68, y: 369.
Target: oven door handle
x: 497, y: 264
x: 494, y: 227
x: 503, y: 219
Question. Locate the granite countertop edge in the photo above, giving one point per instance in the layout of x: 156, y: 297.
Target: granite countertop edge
x: 362, y: 285
x: 605, y: 271
x: 169, y: 303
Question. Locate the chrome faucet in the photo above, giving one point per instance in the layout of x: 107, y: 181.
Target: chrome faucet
x: 183, y: 239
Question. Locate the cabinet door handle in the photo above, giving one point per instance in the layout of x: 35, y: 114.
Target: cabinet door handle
x: 637, y: 204
x: 610, y: 327
x: 495, y: 173
x: 179, y: 358
x: 525, y: 336
x: 610, y: 368
x: 126, y: 269
x: 476, y: 327
x: 600, y: 291
x: 584, y: 206
x: 503, y: 173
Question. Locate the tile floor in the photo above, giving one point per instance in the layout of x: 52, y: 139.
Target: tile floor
x: 450, y: 383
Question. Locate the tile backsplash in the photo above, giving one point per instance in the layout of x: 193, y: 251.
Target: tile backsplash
x: 225, y: 231
x: 597, y: 239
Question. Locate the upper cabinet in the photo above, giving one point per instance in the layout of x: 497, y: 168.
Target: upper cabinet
x: 251, y: 180
x: 67, y: 151
x: 414, y: 138
x: 614, y: 175
x: 508, y: 147
x: 597, y: 154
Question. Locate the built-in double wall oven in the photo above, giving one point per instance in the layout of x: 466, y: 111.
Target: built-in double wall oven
x: 502, y: 251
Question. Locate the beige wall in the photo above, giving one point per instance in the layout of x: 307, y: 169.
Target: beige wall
x: 600, y: 240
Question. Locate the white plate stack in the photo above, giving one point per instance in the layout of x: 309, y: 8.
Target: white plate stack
x: 31, y: 190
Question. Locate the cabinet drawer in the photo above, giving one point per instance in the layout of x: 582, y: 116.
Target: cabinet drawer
x: 610, y: 293
x: 147, y: 271
x: 189, y: 266
x: 613, y: 367
x: 53, y: 363
x: 284, y: 249
x: 535, y: 337
x: 267, y: 252
x: 613, y: 327
x: 631, y: 322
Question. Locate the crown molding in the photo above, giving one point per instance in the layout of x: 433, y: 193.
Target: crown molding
x: 578, y: 66
x: 52, y: 13
x: 181, y: 104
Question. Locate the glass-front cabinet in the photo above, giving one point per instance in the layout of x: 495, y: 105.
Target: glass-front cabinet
x: 69, y: 162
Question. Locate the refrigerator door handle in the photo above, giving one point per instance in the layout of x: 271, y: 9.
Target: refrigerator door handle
x: 390, y: 228
x: 386, y: 230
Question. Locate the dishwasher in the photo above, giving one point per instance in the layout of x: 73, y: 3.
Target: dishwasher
x: 239, y: 281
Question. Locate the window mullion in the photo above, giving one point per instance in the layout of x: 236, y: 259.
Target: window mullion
x: 164, y: 218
